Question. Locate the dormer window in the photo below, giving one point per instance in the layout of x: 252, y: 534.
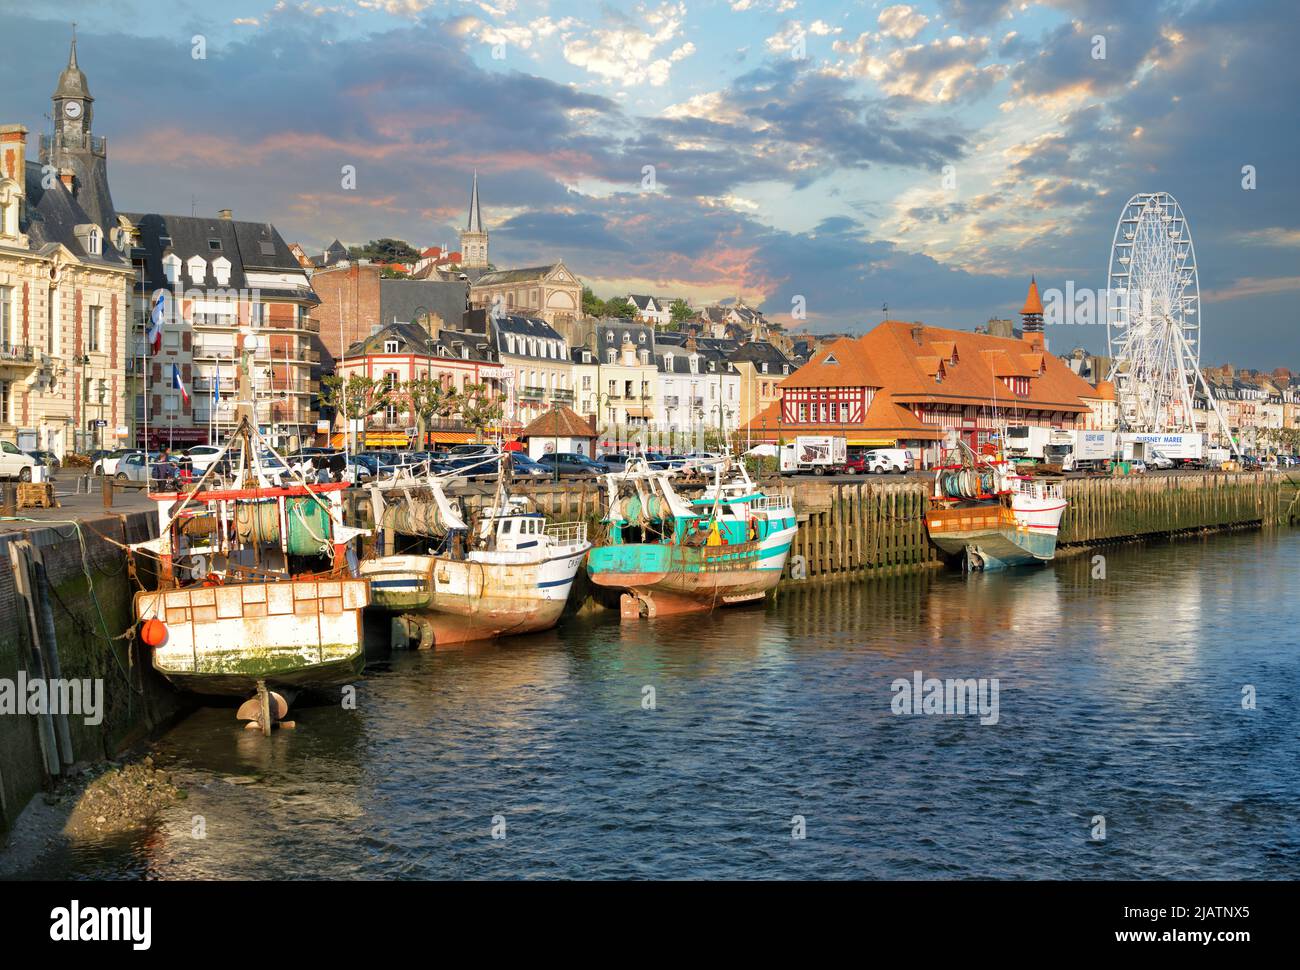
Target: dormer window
x: 390, y: 346
x: 171, y: 267
x: 221, y: 270
x: 830, y: 359
x: 763, y: 367
x: 609, y: 335
x: 613, y: 355
x: 93, y: 246
x: 668, y: 362
x: 198, y: 268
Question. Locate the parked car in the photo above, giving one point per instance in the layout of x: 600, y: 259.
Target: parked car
x: 106, y: 464
x: 201, y: 457
x: 521, y: 464
x: 616, y: 462
x: 571, y: 464
x: 1158, y: 460
x: 659, y: 459
x: 1138, y: 466
x: 132, y: 467
x: 881, y: 460
x: 47, y: 458
x: 14, y: 463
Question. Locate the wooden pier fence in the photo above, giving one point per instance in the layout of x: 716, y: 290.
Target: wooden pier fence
x: 877, y: 528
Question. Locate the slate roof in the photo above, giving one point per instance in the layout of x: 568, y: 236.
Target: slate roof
x: 51, y: 216
x: 523, y: 275
x: 249, y: 247
x: 762, y: 352
x: 403, y: 300
x: 413, y: 339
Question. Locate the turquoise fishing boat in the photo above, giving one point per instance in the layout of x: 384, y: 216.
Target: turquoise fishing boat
x: 669, y: 554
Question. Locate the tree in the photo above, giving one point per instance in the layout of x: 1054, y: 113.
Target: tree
x: 430, y: 398
x: 386, y: 250
x: 620, y: 307
x: 592, y: 305
x: 681, y: 312
x: 478, y: 409
x: 357, y: 398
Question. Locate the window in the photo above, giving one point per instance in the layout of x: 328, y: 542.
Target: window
x: 257, y: 314
x: 6, y: 395
x: 586, y: 383
x: 93, y: 246
x: 803, y: 413
x: 613, y: 355
x: 93, y: 317
x: 763, y: 367
x: 214, y: 245
x: 52, y: 323
x: 6, y: 316
x: 390, y: 346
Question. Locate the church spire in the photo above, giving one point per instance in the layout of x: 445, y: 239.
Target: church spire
x: 475, y: 223
x: 474, y: 238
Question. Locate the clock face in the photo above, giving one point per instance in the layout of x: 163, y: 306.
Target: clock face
x: 72, y: 109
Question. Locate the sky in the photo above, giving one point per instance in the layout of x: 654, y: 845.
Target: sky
x: 820, y: 160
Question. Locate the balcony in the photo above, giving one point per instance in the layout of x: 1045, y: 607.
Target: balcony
x: 671, y: 402
x: 303, y: 326
x: 562, y: 396
x: 532, y: 393
x: 18, y: 357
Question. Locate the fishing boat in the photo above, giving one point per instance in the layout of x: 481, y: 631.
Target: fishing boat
x: 506, y: 572
x: 669, y: 554
x: 255, y: 593
x: 983, y: 510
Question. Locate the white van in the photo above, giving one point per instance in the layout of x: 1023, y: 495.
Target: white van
x: 878, y: 461
x: 14, y: 464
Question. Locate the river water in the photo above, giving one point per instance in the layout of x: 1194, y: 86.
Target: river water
x: 1119, y: 697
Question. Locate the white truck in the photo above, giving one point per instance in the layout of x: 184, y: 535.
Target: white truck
x: 820, y: 454
x: 1090, y: 452
x: 1180, y: 449
x: 1024, y: 441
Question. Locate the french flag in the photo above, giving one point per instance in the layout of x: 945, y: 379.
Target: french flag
x: 178, y: 384
x: 157, y: 317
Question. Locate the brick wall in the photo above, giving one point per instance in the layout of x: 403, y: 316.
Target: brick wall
x: 351, y: 296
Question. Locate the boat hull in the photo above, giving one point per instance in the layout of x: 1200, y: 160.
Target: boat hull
x: 302, y: 633
x: 460, y: 601
x: 666, y: 578
x: 991, y: 536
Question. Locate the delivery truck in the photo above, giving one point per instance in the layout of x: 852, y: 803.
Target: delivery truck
x: 1180, y: 449
x: 821, y: 454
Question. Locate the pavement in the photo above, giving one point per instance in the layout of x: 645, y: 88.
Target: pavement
x: 80, y: 507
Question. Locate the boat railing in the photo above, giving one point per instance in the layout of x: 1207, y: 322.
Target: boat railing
x: 567, y: 533
x: 771, y: 503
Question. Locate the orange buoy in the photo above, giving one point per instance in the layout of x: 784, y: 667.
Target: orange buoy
x: 154, y: 632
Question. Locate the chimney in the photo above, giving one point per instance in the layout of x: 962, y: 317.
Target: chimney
x: 225, y: 214
x: 13, y: 155
x: 918, y: 333
x: 66, y: 176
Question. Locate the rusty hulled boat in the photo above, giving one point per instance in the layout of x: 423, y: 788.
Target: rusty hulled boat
x: 254, y: 592
x: 508, y: 572
x: 668, y: 554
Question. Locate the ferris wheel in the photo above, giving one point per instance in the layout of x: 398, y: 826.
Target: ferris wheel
x: 1153, y: 315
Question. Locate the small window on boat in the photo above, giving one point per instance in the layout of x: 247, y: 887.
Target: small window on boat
x: 505, y: 526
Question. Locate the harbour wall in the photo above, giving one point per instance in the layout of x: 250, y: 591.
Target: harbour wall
x: 90, y: 595
x: 868, y: 528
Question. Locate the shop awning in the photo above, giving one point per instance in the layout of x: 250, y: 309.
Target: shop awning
x: 386, y: 439
x: 451, y: 437
x: 872, y: 442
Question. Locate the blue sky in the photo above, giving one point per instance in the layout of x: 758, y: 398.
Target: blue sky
x: 929, y: 155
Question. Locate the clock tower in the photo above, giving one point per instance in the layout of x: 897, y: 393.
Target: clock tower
x: 73, y: 148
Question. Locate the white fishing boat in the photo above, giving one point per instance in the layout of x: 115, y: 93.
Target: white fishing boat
x: 985, y: 511
x: 511, y: 573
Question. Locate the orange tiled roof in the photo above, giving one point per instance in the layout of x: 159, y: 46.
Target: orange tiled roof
x: 899, y: 359
x: 561, y: 422
x: 1033, y: 304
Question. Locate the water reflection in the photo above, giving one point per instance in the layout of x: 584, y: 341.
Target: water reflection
x: 1119, y: 696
